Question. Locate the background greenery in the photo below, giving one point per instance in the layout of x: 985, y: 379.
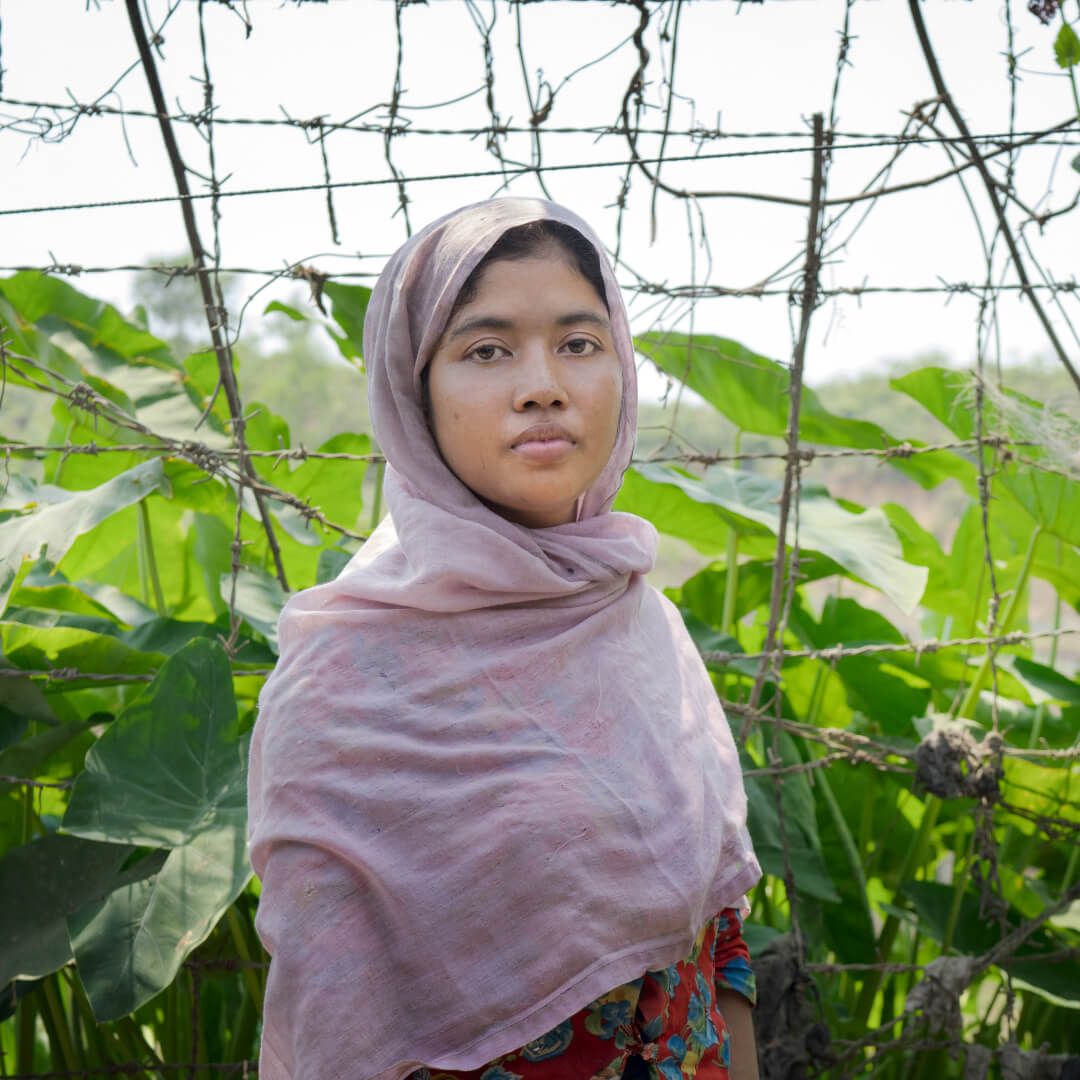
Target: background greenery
x: 136, y: 636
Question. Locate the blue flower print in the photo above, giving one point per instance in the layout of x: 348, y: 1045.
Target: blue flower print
x: 676, y: 1045
x: 669, y: 1070
x: 550, y: 1045
x: 604, y: 1021
x: 668, y: 979
x: 497, y: 1072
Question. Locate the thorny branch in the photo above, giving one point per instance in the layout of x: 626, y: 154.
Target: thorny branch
x: 212, y: 304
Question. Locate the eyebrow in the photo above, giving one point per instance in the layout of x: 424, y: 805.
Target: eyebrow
x: 493, y: 322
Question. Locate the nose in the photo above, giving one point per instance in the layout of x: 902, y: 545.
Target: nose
x: 540, y: 384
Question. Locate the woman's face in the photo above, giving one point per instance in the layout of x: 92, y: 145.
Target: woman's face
x: 526, y: 389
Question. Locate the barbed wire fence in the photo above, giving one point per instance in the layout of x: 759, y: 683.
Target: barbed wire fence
x: 984, y: 164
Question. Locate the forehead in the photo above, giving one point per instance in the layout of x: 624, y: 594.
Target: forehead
x: 546, y: 267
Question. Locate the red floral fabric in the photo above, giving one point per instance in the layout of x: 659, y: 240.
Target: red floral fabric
x: 664, y: 1025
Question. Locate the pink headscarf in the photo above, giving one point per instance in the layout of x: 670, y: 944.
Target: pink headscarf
x: 490, y: 779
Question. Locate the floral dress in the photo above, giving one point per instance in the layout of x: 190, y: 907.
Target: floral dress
x: 664, y: 1025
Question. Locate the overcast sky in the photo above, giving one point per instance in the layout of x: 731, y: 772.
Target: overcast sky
x: 747, y: 69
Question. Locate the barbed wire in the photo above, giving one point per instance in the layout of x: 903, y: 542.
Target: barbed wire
x: 524, y: 170
x: 325, y: 126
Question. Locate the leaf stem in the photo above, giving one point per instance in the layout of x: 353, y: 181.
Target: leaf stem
x: 56, y: 1025
x: 148, y: 570
x: 24, y: 1049
x: 237, y: 930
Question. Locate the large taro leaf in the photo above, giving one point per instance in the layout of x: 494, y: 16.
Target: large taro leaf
x: 45, y: 881
x: 51, y: 530
x: 800, y: 825
x: 864, y: 544
x: 1052, y: 499
x: 173, y: 764
x: 129, y: 946
x: 754, y: 393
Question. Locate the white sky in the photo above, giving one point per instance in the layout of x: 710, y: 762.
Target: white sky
x: 755, y: 69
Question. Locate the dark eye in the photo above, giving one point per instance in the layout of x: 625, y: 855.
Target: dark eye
x: 485, y: 354
x: 581, y: 346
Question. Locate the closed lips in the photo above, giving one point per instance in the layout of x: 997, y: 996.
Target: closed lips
x: 544, y: 433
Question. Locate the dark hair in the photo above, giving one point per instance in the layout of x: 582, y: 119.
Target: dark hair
x: 532, y: 238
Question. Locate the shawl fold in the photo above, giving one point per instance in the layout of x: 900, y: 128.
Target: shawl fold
x: 490, y: 779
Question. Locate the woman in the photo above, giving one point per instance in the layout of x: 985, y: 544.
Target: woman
x: 494, y: 802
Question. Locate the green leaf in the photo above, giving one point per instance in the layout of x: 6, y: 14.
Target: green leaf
x: 1067, y: 47
x: 754, y: 393
x: 259, y: 600
x: 213, y: 556
x: 40, y: 297
x: 932, y: 902
x: 883, y: 687
x: 61, y: 597
x: 265, y: 430
x: 1057, y: 980
x: 1042, y: 790
x: 330, y: 485
x: 37, y: 647
x: 26, y: 758
x: 864, y: 544
x: 168, y: 636
x: 849, y: 925
x: 129, y: 946
x: 45, y: 881
x: 331, y: 562
x: 350, y: 304
x: 757, y: 936
x: 1052, y: 683
x: 800, y: 821
x: 173, y: 764
x: 52, y: 530
x: 21, y: 701
x: 703, y: 594
x: 285, y: 309
x: 109, y: 555
x: 1051, y: 499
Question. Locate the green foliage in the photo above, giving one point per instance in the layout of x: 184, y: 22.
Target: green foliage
x: 1067, y: 47
x: 151, y: 595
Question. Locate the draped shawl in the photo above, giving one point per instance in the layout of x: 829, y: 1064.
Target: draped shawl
x: 490, y: 778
